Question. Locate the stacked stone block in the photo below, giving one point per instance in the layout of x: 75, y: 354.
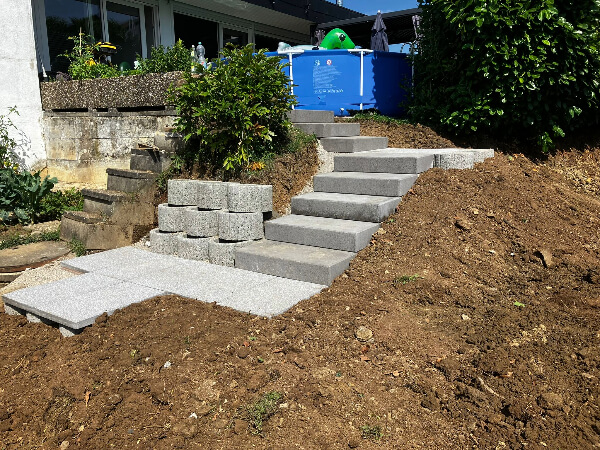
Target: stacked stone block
x: 208, y: 220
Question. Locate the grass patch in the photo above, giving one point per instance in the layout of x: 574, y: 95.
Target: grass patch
x: 260, y: 411
x: 376, y: 117
x: 13, y: 241
x: 77, y: 247
x: 371, y: 432
x: 405, y: 279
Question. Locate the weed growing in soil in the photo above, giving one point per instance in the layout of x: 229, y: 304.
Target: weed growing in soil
x: 376, y: 117
x: 405, y: 279
x: 371, y: 432
x: 77, y: 247
x: 15, y: 240
x: 260, y: 411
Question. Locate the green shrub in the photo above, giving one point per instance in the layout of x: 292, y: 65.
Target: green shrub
x: 21, y: 195
x: 236, y: 110
x: 8, y: 159
x: 169, y: 59
x: 55, y: 203
x: 524, y: 68
x: 82, y: 64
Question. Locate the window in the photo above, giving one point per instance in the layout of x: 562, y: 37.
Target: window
x: 270, y: 43
x: 124, y: 31
x: 235, y: 37
x: 192, y: 30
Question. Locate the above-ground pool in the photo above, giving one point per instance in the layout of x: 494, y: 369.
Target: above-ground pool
x: 343, y: 80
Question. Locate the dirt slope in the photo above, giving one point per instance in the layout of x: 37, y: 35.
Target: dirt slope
x: 482, y: 294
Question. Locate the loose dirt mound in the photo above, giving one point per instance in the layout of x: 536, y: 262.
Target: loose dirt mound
x: 472, y: 320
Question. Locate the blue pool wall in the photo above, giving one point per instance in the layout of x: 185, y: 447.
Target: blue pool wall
x: 330, y: 80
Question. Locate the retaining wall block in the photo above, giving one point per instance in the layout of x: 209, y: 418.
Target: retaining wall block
x: 250, y: 198
x: 171, y: 219
x: 241, y: 226
x: 193, y: 247
x: 182, y: 192
x: 200, y: 223
x: 212, y: 194
x: 223, y: 253
x: 163, y: 242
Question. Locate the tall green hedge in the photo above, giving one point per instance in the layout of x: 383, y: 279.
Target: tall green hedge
x: 519, y: 68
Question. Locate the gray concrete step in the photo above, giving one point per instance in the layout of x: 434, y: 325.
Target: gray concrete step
x: 363, y: 208
x: 385, y: 184
x: 353, y: 144
x: 119, y: 207
x: 127, y: 180
x: 149, y: 159
x: 324, y: 130
x: 384, y: 161
x: 297, y: 262
x: 337, y: 234
x: 310, y: 116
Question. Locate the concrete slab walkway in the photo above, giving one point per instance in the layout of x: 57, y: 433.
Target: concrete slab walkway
x: 117, y: 278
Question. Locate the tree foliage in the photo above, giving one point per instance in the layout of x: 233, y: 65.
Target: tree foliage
x: 235, y: 111
x: 525, y: 68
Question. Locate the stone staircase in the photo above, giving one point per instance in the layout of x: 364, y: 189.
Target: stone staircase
x: 328, y: 226
x: 125, y: 210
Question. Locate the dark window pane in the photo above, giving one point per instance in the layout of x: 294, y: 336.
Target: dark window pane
x: 124, y: 31
x: 66, y: 18
x: 234, y: 37
x: 269, y: 43
x: 149, y: 24
x: 192, y: 30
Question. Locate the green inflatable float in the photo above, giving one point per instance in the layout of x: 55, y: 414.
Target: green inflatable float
x: 335, y: 39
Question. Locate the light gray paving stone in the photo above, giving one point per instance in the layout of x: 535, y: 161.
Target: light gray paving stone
x: 201, y: 222
x: 363, y: 208
x: 338, y: 234
x: 182, y: 192
x: 310, y: 116
x: 298, y: 262
x: 212, y: 194
x: 193, y: 247
x: 240, y: 226
x: 171, y: 219
x: 351, y: 144
x: 162, y: 242
x: 383, y: 161
x: 118, y: 256
x: 385, y: 184
x: 223, y: 253
x: 250, y: 198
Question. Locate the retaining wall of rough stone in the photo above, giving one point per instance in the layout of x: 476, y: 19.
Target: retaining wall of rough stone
x: 208, y: 220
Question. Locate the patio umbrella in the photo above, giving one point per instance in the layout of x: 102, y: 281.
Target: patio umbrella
x: 379, y: 39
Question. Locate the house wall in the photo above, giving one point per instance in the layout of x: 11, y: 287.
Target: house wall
x: 19, y: 80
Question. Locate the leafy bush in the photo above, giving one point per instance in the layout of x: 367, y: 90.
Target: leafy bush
x: 82, y: 64
x: 170, y: 59
x: 522, y: 68
x: 55, y: 203
x: 236, y: 110
x: 8, y: 159
x: 21, y: 195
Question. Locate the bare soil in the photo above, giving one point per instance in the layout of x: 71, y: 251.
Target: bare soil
x: 471, y: 321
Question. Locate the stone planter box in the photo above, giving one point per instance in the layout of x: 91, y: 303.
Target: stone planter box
x: 139, y: 92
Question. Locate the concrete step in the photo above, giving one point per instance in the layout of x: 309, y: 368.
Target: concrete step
x: 297, y: 262
x: 337, y: 234
x: 363, y: 208
x: 149, y: 159
x: 353, y: 144
x: 384, y: 161
x: 325, y: 130
x: 127, y: 180
x: 119, y: 207
x: 310, y: 116
x: 385, y: 184
x: 94, y: 232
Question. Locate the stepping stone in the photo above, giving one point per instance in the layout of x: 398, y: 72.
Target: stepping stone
x: 298, y: 262
x: 323, y: 130
x: 386, y: 184
x: 384, y: 161
x: 338, y: 234
x: 310, y: 116
x: 353, y: 144
x: 30, y: 256
x: 364, y: 208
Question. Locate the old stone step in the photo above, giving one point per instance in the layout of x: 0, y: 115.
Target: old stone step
x: 127, y: 180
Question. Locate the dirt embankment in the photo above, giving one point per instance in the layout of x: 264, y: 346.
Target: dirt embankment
x: 471, y: 321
